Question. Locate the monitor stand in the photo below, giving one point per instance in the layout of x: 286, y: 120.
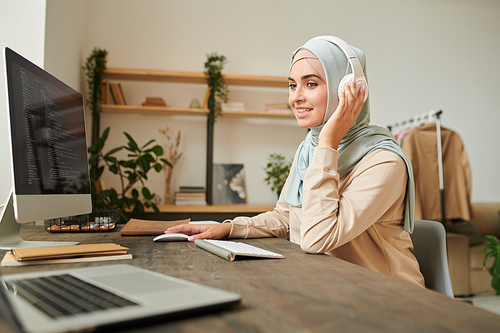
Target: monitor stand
x: 9, y: 231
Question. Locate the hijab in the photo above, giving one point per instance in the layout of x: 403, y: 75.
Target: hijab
x: 361, y: 139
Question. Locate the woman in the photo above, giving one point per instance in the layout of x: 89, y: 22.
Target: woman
x: 350, y: 192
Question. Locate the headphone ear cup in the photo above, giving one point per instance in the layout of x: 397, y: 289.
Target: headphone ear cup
x: 359, y: 85
x: 345, y: 79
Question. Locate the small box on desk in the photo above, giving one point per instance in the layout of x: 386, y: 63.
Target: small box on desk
x: 98, y: 220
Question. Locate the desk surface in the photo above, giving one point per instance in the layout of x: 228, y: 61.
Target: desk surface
x: 304, y: 292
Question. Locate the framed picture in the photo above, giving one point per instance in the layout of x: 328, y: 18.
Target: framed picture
x: 229, y: 184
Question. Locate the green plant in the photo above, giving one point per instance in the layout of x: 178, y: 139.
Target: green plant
x: 215, y: 80
x: 132, y: 171
x: 277, y: 170
x: 492, y: 250
x: 94, y: 70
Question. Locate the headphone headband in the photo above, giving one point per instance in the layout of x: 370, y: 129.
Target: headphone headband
x: 350, y: 54
x: 357, y: 69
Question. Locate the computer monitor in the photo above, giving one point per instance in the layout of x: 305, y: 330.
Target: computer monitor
x: 48, y: 151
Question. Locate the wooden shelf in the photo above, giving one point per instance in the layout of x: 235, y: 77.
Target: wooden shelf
x: 257, y: 114
x: 149, y: 75
x: 235, y: 208
x: 128, y: 74
x: 159, y: 110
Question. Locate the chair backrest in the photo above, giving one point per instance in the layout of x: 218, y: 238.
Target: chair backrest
x: 429, y: 242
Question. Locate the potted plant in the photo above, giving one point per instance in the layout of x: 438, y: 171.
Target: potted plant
x: 132, y: 172
x: 277, y: 169
x: 218, y: 93
x: 492, y: 250
x: 94, y: 70
x: 215, y: 80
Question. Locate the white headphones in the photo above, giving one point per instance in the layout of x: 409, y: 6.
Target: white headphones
x: 357, y: 69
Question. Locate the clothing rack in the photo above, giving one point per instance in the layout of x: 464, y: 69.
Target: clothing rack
x: 432, y: 116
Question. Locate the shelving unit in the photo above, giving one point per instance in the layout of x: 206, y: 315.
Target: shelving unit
x: 127, y: 74
x: 146, y: 75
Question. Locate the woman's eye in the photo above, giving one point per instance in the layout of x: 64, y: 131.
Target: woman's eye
x: 292, y: 85
x: 312, y: 84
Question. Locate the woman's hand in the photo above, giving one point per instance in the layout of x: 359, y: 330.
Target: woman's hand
x: 344, y: 116
x: 202, y: 231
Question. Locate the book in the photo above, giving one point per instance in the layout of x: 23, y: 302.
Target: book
x: 65, y: 254
x: 206, y: 98
x: 117, y: 93
x: 190, y: 198
x: 154, y: 101
x: 104, y: 90
x: 67, y: 251
x: 185, y: 189
x: 136, y: 227
x: 10, y: 260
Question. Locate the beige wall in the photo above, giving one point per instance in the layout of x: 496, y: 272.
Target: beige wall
x: 422, y: 55
x: 24, y: 34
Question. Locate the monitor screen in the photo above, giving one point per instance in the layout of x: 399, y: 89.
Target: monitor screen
x: 48, y: 143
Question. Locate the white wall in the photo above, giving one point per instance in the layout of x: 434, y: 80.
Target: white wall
x: 22, y: 28
x: 422, y: 55
x: 66, y: 40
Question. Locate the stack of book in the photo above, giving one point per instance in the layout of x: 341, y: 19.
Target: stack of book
x: 154, y: 101
x: 278, y: 107
x: 191, y: 196
x: 65, y: 254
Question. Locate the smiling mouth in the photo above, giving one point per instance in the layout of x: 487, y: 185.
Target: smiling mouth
x: 303, y: 110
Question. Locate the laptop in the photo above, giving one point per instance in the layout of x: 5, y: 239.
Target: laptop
x: 101, y: 296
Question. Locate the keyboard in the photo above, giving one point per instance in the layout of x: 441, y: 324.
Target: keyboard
x: 229, y: 249
x: 66, y: 295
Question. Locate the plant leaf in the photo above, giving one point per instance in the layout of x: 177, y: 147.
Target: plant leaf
x: 144, y: 164
x: 147, y: 194
x: 112, y: 151
x: 131, y: 142
x: 158, y: 150
x: 149, y: 142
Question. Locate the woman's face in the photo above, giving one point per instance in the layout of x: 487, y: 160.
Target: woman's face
x: 308, y: 94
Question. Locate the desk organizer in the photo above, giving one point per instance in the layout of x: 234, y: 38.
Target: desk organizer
x: 98, y: 220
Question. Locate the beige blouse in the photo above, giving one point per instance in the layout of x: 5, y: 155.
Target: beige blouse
x: 356, y: 218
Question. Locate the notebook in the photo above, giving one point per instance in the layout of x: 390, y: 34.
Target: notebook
x: 136, y: 227
x: 122, y: 294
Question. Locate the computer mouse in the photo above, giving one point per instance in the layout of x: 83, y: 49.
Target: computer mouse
x: 171, y: 238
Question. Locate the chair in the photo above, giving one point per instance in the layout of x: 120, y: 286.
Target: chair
x: 429, y: 242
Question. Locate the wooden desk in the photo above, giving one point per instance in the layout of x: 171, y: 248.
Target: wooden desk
x: 302, y: 293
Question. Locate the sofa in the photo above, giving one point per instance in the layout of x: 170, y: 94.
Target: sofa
x: 465, y: 250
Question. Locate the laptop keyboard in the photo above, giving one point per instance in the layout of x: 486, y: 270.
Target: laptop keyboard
x: 66, y: 295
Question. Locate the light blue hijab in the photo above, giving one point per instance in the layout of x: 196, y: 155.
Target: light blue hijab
x: 361, y: 139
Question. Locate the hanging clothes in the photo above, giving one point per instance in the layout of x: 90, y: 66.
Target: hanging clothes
x: 421, y: 147
x: 401, y: 135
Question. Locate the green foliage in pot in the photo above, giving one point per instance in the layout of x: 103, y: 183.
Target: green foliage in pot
x: 94, y: 69
x: 277, y: 169
x: 215, y: 80
x: 132, y: 171
x: 492, y: 250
